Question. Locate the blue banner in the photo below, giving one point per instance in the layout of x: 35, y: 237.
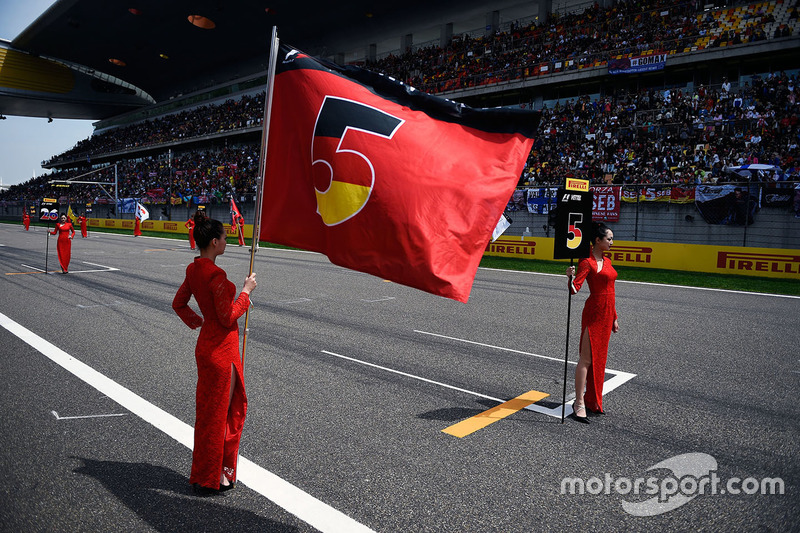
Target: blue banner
x: 542, y: 200
x: 629, y: 65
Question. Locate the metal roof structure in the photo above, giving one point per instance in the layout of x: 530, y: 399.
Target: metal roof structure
x: 121, y: 56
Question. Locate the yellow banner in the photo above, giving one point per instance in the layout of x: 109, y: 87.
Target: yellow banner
x: 761, y: 262
x: 165, y: 226
x: 574, y: 184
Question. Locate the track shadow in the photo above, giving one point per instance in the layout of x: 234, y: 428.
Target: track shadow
x: 451, y: 414
x: 164, y: 499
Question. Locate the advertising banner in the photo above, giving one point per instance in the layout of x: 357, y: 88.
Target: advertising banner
x: 631, y: 65
x: 605, y: 203
x: 737, y: 260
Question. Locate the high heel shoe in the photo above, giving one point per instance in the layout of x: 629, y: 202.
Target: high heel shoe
x: 582, y: 419
x: 230, y: 486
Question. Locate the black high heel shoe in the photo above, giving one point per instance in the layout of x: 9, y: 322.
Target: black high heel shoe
x: 224, y: 488
x: 582, y: 419
x: 200, y: 490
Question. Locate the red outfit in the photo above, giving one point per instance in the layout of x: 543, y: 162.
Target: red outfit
x: 64, y: 243
x: 137, y: 230
x: 218, y: 427
x: 190, y: 224
x: 599, y: 314
x: 26, y: 220
x: 84, y: 231
x: 239, y: 222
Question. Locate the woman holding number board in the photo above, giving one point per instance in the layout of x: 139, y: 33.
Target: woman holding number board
x: 598, y: 320
x: 65, y: 234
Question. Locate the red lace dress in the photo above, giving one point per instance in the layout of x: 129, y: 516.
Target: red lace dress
x: 218, y: 428
x: 64, y: 243
x: 599, y: 314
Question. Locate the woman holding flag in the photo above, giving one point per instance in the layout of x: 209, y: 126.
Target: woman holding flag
x: 190, y: 224
x: 598, y: 321
x: 65, y: 234
x: 141, y: 215
x: 26, y: 219
x: 220, y: 396
x: 237, y: 221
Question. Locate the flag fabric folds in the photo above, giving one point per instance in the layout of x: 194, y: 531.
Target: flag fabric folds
x: 385, y: 179
x: 71, y: 215
x: 235, y: 213
x: 141, y: 212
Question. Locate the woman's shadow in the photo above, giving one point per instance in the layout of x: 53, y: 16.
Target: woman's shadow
x: 165, y: 500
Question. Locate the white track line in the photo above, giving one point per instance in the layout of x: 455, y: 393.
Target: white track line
x: 618, y: 379
x: 294, y: 500
x: 654, y: 284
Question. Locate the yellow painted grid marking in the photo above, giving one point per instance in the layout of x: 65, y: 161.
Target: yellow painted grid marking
x: 480, y: 421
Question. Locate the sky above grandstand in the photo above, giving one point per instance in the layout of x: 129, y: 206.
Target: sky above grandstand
x: 24, y: 141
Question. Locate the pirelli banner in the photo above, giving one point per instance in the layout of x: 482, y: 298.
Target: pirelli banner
x: 761, y: 262
x: 165, y: 226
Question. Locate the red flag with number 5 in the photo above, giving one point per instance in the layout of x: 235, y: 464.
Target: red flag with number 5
x: 385, y: 179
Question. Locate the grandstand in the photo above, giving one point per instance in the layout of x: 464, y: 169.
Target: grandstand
x: 643, y: 96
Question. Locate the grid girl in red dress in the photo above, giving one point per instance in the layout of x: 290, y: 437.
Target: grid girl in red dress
x: 598, y: 320
x: 220, y: 396
x: 64, y: 244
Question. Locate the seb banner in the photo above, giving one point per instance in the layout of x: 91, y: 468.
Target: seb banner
x: 573, y: 221
x: 605, y: 203
x: 758, y: 262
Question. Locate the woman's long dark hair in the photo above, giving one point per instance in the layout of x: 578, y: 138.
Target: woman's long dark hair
x: 206, y: 229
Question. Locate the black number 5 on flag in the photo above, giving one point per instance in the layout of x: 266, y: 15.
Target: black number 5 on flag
x: 573, y: 220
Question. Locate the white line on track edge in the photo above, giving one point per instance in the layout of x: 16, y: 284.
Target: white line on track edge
x: 619, y: 377
x: 294, y: 500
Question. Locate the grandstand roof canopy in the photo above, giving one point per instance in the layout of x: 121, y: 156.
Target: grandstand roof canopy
x: 173, y: 47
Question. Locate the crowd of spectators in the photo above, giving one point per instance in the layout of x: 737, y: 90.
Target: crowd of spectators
x: 653, y: 136
x: 203, y: 120
x: 669, y: 136
x: 572, y: 41
x: 193, y: 177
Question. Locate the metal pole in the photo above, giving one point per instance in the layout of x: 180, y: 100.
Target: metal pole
x: 273, y: 61
x: 116, y: 192
x: 169, y: 215
x: 566, y: 349
x: 636, y: 228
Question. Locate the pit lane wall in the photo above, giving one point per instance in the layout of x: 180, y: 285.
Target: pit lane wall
x: 737, y: 260
x: 165, y: 226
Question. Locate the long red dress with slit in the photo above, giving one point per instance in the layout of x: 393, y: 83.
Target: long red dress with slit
x: 217, y: 429
x: 84, y: 231
x: 64, y: 243
x: 190, y: 224
x: 597, y: 319
x: 137, y: 228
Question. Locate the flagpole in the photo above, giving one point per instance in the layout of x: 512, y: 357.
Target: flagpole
x: 566, y: 351
x: 273, y: 61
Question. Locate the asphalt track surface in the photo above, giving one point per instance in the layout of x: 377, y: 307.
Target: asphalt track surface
x: 351, y: 381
